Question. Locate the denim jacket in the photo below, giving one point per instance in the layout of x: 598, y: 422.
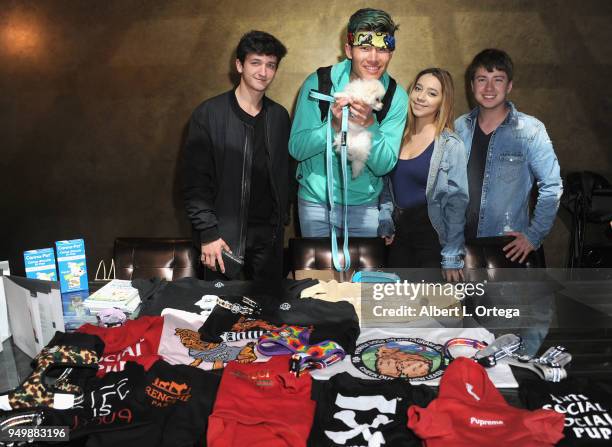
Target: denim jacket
x: 520, y: 152
x: 447, y: 198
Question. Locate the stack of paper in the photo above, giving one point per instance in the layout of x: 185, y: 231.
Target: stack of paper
x: 118, y: 293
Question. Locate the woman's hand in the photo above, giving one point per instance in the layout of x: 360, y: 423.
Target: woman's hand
x: 388, y: 239
x: 452, y: 275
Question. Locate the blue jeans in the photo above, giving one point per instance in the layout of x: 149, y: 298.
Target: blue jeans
x: 314, y: 219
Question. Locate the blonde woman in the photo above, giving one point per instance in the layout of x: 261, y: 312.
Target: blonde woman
x: 423, y: 203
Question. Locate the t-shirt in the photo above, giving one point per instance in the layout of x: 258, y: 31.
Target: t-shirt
x: 164, y: 406
x: 184, y: 293
x: 336, y: 321
x: 108, y: 404
x: 586, y: 404
x: 261, y: 205
x: 416, y: 354
x: 336, y: 291
x: 262, y: 404
x: 471, y: 412
x: 181, y: 343
x: 353, y: 411
x: 136, y: 340
x: 476, y: 168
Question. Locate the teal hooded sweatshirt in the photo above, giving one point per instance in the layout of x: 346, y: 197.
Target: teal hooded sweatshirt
x: 308, y: 142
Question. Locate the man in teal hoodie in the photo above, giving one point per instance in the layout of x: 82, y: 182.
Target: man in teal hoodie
x: 369, y: 48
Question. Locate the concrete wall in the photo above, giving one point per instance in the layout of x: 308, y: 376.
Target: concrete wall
x: 96, y: 95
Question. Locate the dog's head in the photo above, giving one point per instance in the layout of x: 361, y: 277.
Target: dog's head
x: 370, y: 91
x: 375, y: 93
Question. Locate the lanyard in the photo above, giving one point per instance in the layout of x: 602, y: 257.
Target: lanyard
x: 330, y: 181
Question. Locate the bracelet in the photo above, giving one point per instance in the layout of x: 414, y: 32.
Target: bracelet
x: 469, y: 342
x: 247, y: 307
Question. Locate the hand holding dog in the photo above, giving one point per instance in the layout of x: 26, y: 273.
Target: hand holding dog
x: 359, y: 113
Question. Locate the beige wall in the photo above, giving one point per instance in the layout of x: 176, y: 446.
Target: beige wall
x: 96, y: 95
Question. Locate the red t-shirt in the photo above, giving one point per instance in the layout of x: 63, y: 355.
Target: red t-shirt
x: 471, y: 412
x: 261, y: 405
x: 137, y: 340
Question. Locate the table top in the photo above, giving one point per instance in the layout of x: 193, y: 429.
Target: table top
x: 583, y: 325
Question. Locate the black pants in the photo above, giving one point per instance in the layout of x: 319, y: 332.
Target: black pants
x: 263, y: 257
x: 416, y: 243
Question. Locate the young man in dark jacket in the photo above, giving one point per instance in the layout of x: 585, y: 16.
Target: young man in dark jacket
x: 236, y: 167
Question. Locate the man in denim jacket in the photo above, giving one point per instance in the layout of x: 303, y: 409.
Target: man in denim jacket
x: 507, y: 151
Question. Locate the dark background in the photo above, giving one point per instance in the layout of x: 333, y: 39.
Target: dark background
x: 95, y: 96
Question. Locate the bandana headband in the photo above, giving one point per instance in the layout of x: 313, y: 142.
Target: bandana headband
x: 384, y: 41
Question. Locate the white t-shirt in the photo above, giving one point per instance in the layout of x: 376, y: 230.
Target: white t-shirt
x: 181, y: 344
x: 413, y: 353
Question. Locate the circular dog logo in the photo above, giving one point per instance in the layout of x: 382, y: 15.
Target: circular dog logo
x: 410, y: 358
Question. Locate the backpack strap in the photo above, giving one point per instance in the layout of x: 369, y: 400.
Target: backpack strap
x: 325, y: 85
x: 382, y: 113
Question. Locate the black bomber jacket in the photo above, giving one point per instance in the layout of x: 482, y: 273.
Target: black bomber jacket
x: 216, y: 169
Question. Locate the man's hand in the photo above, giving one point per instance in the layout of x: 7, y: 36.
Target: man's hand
x: 452, y: 275
x: 336, y: 109
x: 359, y: 113
x: 519, y: 248
x: 211, y: 254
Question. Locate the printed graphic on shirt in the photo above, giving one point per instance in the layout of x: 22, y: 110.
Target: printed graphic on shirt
x: 412, y: 358
x: 351, y: 407
x: 115, y: 362
x: 470, y: 390
x: 107, y: 406
x: 260, y: 377
x: 216, y: 353
x: 585, y: 418
x: 247, y: 329
x: 477, y: 422
x: 166, y: 393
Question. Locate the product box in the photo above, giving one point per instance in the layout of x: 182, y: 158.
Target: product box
x: 40, y: 264
x: 75, y: 312
x: 72, y: 265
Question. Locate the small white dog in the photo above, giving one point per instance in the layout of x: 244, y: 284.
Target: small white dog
x: 359, y: 140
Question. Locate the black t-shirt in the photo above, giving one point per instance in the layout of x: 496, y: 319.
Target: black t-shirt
x: 261, y: 202
x: 343, y: 402
x: 182, y: 294
x: 475, y: 169
x: 168, y: 405
x: 110, y: 403
x: 336, y: 321
x: 586, y: 404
